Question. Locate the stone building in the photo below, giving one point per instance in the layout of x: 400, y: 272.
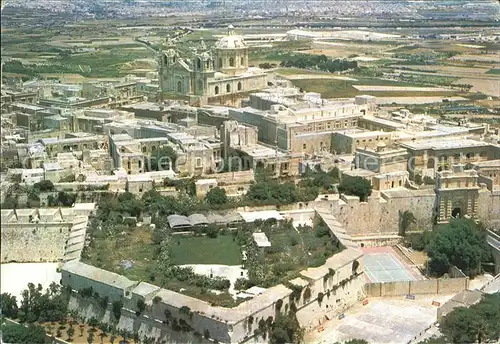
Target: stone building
x: 303, y: 129
x: 242, y: 151
x: 382, y: 159
x: 457, y: 193
x: 207, y: 75
x: 430, y: 156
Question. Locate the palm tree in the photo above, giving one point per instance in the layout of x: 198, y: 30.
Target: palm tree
x: 136, y: 337
x: 112, y: 338
x: 103, y: 335
x: 90, y: 337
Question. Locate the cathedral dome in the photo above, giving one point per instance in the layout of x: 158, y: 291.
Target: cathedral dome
x: 231, y: 42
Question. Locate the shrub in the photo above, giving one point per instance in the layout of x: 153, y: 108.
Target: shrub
x: 307, y: 294
x: 279, y: 304
x: 320, y: 297
x: 117, y: 309
x: 355, y: 266
x: 141, y: 305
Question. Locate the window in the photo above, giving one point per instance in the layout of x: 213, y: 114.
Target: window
x: 144, y: 149
x: 231, y: 62
x: 392, y: 184
x: 239, y: 86
x: 216, y: 89
x: 220, y: 63
x: 242, y: 61
x: 400, y: 183
x: 198, y: 162
x: 304, y: 146
x: 179, y: 86
x: 199, y: 63
x: 228, y: 88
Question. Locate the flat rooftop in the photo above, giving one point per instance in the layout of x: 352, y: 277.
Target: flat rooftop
x: 443, y: 144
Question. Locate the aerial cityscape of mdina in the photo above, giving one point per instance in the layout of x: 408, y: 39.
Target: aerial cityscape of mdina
x: 247, y: 172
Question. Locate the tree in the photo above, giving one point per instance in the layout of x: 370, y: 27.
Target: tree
x: 163, y: 158
x: 354, y: 341
x: 117, y: 309
x: 90, y: 337
x: 216, y: 196
x: 476, y: 324
x: 103, y: 335
x: 9, y: 305
x: 70, y: 332
x: 406, y: 218
x: 10, y: 202
x: 458, y: 243
x: 356, y: 186
x: 20, y: 334
x: 286, y: 329
x: 462, y: 326
x: 141, y: 306
x: 44, y: 186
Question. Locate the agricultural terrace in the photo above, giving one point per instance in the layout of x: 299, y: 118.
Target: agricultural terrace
x: 159, y: 256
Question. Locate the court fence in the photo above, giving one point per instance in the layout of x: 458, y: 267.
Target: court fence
x: 430, y: 287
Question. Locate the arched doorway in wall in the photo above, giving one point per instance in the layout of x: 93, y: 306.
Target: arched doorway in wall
x: 231, y: 62
x: 228, y: 88
x: 239, y: 86
x: 179, y: 86
x: 457, y: 212
x: 216, y: 89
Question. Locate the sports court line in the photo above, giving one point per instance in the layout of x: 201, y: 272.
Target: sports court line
x: 371, y: 276
x: 383, y: 269
x: 402, y: 267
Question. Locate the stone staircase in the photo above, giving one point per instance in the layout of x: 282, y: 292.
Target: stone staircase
x: 76, y: 239
x: 336, y: 227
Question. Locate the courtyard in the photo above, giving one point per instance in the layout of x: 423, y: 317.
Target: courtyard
x: 382, y: 320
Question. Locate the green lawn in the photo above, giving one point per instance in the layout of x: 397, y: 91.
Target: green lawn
x: 493, y: 71
x: 205, y: 250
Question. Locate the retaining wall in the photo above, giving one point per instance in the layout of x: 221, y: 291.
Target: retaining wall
x: 437, y: 286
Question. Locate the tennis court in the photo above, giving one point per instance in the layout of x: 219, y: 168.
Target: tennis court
x: 385, y: 267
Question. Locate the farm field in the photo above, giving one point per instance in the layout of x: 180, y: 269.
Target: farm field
x: 346, y: 89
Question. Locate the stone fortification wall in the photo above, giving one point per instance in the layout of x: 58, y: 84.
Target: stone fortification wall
x: 382, y: 212
x: 489, y: 208
x: 436, y: 286
x: 31, y: 242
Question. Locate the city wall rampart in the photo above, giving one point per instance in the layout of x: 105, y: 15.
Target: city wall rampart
x: 32, y: 242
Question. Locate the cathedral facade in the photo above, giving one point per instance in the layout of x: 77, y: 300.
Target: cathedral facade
x: 210, y: 75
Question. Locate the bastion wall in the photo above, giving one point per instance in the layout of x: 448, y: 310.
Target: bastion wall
x: 32, y: 242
